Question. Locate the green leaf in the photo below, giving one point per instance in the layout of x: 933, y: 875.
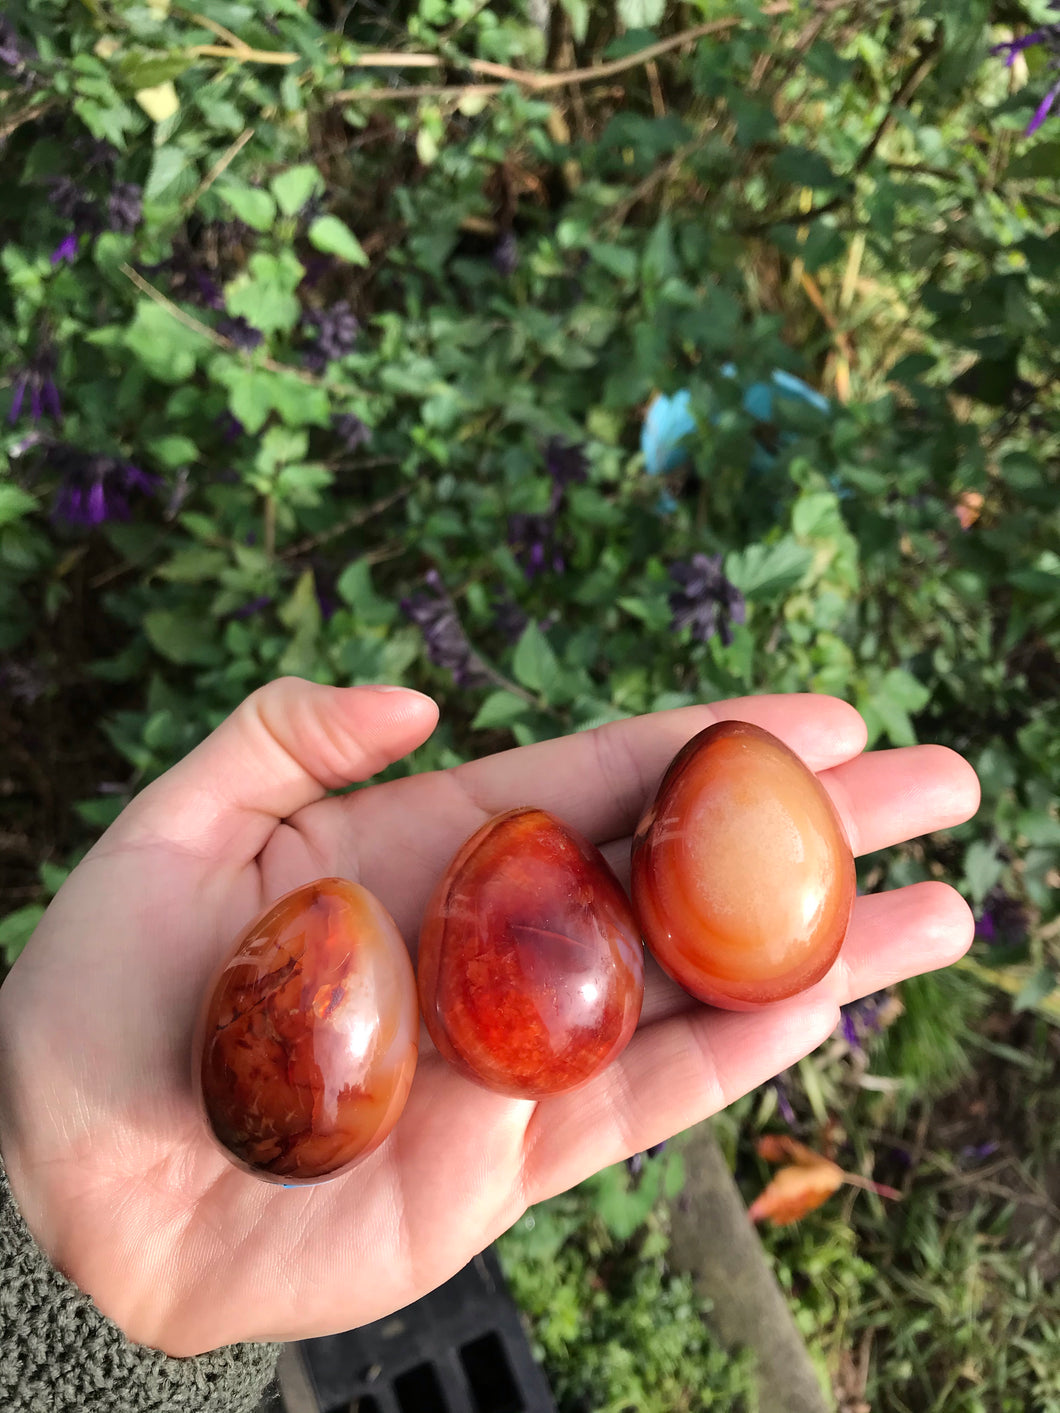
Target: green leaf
x: 354, y: 586
x: 499, y: 709
x: 1035, y: 989
x: 17, y: 928
x: 53, y: 876
x: 253, y: 206
x: 168, y: 166
x: 334, y: 237
x: 101, y: 813
x: 765, y: 571
x: 299, y: 404
x: 293, y: 188
x: 182, y: 637
x: 143, y: 68
x: 982, y: 869
x: 249, y: 393
x: 173, y: 451
x: 641, y: 14
x: 264, y: 293
x: 1041, y: 160
x: 578, y: 14
x: 617, y: 260
x: 534, y: 664
x: 903, y: 688
x: 802, y: 167
x: 888, y: 702
x: 301, y: 614
x: 14, y: 503
x: 816, y: 515
x: 194, y: 565
x: 165, y: 346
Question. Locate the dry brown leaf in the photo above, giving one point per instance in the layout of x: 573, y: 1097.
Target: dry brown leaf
x: 800, y: 1188
x: 795, y: 1191
x: 775, y: 1147
x: 968, y: 508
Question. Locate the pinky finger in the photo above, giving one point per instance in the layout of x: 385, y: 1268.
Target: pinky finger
x: 673, y: 1074
x: 682, y: 1069
x: 897, y: 935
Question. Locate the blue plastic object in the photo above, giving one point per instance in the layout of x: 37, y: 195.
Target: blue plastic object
x: 669, y: 421
x: 667, y: 424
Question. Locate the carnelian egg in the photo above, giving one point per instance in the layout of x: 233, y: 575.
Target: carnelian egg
x: 743, y: 880
x: 307, y: 1043
x: 531, y: 969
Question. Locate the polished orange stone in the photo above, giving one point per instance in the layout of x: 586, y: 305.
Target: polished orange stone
x: 743, y: 879
x: 307, y: 1043
x: 531, y: 969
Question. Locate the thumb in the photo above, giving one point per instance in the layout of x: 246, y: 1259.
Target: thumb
x: 285, y: 746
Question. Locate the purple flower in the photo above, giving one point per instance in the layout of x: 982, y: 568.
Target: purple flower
x: 16, y: 55
x: 780, y: 1088
x: 976, y: 1152
x: 1012, y: 47
x: 230, y: 426
x: 94, y: 488
x: 1049, y: 37
x: 66, y: 249
x: 188, y: 280
x: 96, y: 153
x: 247, y: 610
x: 635, y: 1163
x: 1042, y: 111
x: 566, y: 465
x: 534, y: 542
x: 202, y: 289
x: 240, y: 333
x: 23, y: 683
x: 197, y: 275
x: 351, y: 431
x: 38, y: 381
x: 317, y: 267
x: 336, y: 333
x: 706, y: 602
x: 505, y: 257
x: 1003, y: 921
x: 124, y: 207
x: 860, y: 1019
x: 435, y: 615
x: 509, y: 620
x: 535, y: 539
x: 74, y: 203
x: 10, y: 49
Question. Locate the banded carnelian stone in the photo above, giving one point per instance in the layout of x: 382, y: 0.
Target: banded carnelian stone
x: 743, y: 879
x: 308, y: 1039
x: 531, y: 969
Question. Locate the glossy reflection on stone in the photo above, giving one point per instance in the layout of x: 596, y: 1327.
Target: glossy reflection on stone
x: 531, y: 969
x: 307, y: 1044
x: 743, y: 879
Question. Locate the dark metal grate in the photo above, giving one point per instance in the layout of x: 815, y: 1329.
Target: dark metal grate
x: 461, y: 1349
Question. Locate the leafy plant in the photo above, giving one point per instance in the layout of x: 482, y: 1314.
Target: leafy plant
x: 567, y: 371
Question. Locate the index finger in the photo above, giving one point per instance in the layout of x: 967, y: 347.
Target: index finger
x: 600, y: 781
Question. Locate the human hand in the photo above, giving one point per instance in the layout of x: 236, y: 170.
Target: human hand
x: 104, y: 1146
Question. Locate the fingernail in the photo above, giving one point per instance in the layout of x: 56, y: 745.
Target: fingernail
x: 389, y: 687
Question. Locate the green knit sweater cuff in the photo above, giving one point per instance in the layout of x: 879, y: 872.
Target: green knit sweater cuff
x: 58, y: 1354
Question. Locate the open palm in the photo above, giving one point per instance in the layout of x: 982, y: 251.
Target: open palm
x: 103, y: 1144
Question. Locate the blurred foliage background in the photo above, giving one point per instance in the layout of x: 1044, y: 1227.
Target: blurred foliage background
x: 570, y: 361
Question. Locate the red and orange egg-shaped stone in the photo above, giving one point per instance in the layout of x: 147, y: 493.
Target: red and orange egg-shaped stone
x: 308, y: 1041
x: 531, y: 969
